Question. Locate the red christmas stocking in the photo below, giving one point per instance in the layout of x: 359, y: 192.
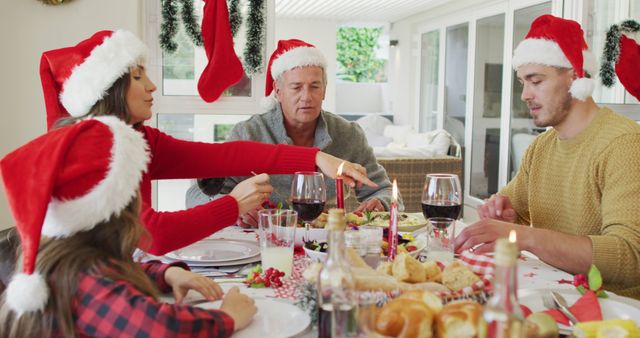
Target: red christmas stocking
x: 224, y: 68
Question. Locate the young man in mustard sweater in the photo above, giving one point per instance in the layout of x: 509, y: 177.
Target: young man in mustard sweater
x: 574, y: 201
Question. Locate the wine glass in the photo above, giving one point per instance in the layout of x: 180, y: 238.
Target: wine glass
x: 441, y: 206
x: 308, y: 196
x: 441, y: 196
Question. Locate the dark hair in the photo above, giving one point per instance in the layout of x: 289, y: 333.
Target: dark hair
x: 114, y: 103
x: 106, y: 250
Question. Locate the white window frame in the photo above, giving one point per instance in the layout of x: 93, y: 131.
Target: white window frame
x: 175, y: 104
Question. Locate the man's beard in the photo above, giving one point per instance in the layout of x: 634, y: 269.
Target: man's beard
x: 560, y: 113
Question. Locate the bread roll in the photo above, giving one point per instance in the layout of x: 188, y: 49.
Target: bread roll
x: 385, y: 268
x: 407, y: 269
x: 457, y: 276
x: 430, y: 299
x: 405, y: 318
x: 433, y: 273
x: 458, y: 320
x: 354, y: 259
x: 430, y: 286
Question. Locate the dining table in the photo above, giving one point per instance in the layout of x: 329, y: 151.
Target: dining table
x: 534, y: 278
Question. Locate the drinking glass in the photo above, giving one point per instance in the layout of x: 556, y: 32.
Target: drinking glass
x: 441, y: 206
x: 441, y: 196
x: 440, y: 239
x: 308, y: 196
x: 277, y: 229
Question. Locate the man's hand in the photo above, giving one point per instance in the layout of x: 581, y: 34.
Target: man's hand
x: 373, y: 204
x: 482, y: 235
x: 352, y: 173
x: 252, y: 192
x: 181, y: 281
x: 498, y: 207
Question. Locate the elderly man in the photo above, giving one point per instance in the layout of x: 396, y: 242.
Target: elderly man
x: 574, y: 201
x: 296, y: 76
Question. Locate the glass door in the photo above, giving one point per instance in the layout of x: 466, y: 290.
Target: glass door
x: 485, y: 145
x: 455, y: 81
x: 429, y: 63
x: 523, y: 131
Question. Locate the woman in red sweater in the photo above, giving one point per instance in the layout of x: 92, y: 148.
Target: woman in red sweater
x: 105, y: 75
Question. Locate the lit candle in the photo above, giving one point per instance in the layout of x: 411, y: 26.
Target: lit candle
x: 393, y: 224
x: 339, y: 192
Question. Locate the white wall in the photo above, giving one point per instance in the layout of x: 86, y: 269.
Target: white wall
x: 27, y: 28
x: 320, y: 33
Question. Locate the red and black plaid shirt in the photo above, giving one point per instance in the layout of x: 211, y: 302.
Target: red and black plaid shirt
x: 107, y: 308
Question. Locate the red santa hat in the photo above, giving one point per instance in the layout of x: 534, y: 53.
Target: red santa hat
x: 75, y: 78
x: 290, y: 54
x: 558, y: 42
x: 624, y: 53
x: 67, y: 181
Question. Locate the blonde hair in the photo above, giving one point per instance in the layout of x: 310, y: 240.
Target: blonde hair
x: 106, y: 250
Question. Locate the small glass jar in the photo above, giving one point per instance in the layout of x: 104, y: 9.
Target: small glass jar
x: 355, y: 239
x: 372, y: 236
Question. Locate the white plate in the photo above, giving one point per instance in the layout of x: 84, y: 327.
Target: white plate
x: 420, y: 242
x: 275, y: 318
x: 214, y: 251
x: 614, y: 307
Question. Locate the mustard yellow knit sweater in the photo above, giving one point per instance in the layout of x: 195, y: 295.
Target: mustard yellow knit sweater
x: 588, y: 185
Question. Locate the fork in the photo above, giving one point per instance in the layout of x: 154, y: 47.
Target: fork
x: 550, y: 303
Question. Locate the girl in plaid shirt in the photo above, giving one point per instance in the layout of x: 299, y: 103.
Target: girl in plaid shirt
x: 78, y: 213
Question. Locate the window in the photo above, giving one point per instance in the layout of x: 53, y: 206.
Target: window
x: 362, y: 52
x: 180, y: 112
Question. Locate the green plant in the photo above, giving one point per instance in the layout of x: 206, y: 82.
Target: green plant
x: 356, y: 56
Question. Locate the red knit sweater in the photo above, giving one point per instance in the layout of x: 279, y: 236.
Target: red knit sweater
x: 176, y: 159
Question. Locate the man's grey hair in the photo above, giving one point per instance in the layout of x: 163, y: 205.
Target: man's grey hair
x: 324, y: 75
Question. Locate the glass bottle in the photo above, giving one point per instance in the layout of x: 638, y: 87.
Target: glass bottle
x: 502, y: 314
x: 336, y: 285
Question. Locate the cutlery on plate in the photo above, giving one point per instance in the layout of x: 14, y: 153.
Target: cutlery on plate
x: 554, y: 300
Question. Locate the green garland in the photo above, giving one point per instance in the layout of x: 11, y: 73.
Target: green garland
x: 190, y: 25
x: 255, y: 37
x: 169, y: 27
x: 235, y: 17
x: 611, y: 50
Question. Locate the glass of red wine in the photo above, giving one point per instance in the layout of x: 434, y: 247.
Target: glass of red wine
x: 308, y: 196
x: 441, y: 206
x: 441, y: 196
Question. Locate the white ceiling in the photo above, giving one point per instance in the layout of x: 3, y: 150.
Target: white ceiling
x: 353, y: 10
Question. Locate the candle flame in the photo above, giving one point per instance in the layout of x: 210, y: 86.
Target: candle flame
x: 340, y: 169
x: 394, y: 191
x: 512, y: 236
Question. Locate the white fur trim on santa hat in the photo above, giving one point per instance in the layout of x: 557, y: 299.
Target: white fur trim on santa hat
x: 297, y: 57
x: 27, y: 293
x: 539, y: 51
x: 129, y: 159
x: 582, y: 88
x: 548, y: 53
x: 107, y: 62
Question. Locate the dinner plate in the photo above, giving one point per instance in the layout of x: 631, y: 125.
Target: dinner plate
x: 412, y: 222
x: 275, y: 318
x: 613, y: 307
x: 213, y: 251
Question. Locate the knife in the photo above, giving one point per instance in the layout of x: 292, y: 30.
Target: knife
x: 563, y: 307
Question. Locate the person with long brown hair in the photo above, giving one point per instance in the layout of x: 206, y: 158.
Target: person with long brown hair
x: 74, y: 195
x: 105, y: 75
